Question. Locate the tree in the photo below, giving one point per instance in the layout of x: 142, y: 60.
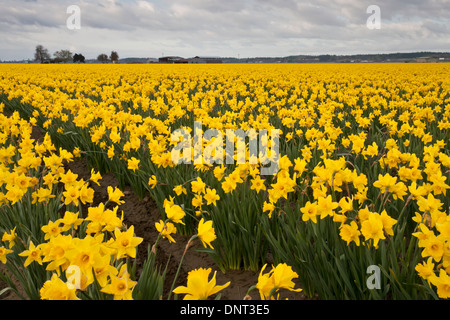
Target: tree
x: 78, y: 58
x: 41, y: 54
x: 114, y: 57
x: 103, y: 58
x: 63, y: 56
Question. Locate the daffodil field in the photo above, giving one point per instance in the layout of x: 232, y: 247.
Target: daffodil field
x: 363, y: 167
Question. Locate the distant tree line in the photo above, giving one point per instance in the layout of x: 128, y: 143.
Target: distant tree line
x: 41, y: 55
x: 103, y: 57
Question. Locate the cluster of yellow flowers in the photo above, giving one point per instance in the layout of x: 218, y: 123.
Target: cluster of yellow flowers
x: 432, y: 221
x: 85, y: 260
x: 30, y: 173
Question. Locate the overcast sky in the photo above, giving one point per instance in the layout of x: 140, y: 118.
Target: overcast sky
x: 227, y: 28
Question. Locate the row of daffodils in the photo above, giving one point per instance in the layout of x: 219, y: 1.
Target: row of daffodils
x: 343, y: 190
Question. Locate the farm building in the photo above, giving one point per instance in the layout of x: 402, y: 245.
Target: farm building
x: 169, y: 59
x: 426, y: 59
x: 198, y: 59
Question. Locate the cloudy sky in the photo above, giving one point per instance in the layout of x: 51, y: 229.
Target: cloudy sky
x: 227, y: 28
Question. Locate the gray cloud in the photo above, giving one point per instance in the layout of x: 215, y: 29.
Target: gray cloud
x: 225, y: 28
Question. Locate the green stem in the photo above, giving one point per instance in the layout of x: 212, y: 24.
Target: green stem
x: 179, y: 266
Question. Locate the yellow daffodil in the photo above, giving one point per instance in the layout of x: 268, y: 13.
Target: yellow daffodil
x: 211, y: 196
x: 33, y: 254
x: 326, y: 206
x: 199, y: 287
x: 179, y: 189
x: 121, y: 286
x: 70, y: 220
x: 372, y: 228
x: 198, y: 186
x: 133, y: 164
x: 95, y: 176
x: 56, y: 289
x: 309, y: 211
x: 3, y: 252
x: 115, y: 195
x: 166, y: 230
x: 52, y: 229
x: 280, y: 277
x: 257, y: 184
x: 10, y: 237
x: 175, y: 213
x: 206, y: 233
x: 442, y: 282
x: 125, y: 242
x: 152, y: 181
